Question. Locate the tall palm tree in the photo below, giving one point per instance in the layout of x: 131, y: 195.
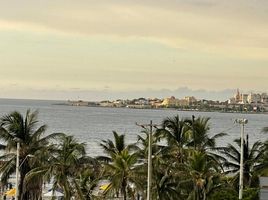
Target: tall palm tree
x: 200, y: 138
x: 176, y: 133
x: 120, y: 164
x: 165, y: 178
x: 164, y: 185
x: 86, y: 182
x: 199, y: 134
x: 186, y: 139
x: 121, y: 173
x: 15, y: 127
x: 64, y: 166
x: 203, y: 173
x: 174, y: 130
x: 264, y: 168
x: 252, y: 160
x: 186, y: 134
x: 111, y: 149
x: 142, y: 145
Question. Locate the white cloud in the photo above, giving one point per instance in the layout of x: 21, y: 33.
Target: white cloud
x: 130, y: 45
x: 228, y: 27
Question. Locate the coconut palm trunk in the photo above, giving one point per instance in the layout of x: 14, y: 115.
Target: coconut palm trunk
x: 124, y: 188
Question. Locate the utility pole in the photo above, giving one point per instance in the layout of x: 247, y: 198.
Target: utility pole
x: 17, y: 171
x: 242, y: 122
x: 149, y: 195
x: 149, y: 171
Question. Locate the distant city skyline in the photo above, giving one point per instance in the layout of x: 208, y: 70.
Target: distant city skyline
x: 87, y: 95
x: 112, y: 49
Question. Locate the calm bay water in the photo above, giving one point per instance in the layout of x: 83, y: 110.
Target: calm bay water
x: 93, y: 124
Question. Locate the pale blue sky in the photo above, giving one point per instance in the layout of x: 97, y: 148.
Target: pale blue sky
x: 93, y: 49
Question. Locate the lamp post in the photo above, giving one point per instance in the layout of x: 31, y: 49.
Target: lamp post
x: 242, y: 122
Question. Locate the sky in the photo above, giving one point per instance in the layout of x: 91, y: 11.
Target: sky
x: 108, y: 49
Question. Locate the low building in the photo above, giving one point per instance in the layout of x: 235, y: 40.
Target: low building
x: 190, y: 100
x: 173, y: 102
x: 156, y: 103
x: 170, y: 102
x: 232, y: 101
x: 254, y: 98
x: 243, y: 99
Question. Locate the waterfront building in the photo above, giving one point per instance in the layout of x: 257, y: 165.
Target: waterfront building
x: 142, y: 101
x: 169, y: 102
x: 190, y: 100
x: 237, y: 96
x: 173, y: 102
x: 243, y: 99
x: 155, y: 102
x: 254, y: 98
x: 264, y: 98
x: 119, y: 103
x: 232, y: 100
x: 252, y: 101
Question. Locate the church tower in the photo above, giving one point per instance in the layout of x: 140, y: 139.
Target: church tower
x: 237, y: 96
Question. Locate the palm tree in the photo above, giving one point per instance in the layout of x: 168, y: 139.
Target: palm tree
x: 176, y: 133
x: 264, y: 161
x: 14, y: 128
x: 185, y: 138
x: 252, y: 160
x: 111, y: 149
x: 165, y: 178
x: 204, y: 174
x: 199, y: 134
x: 141, y: 147
x: 200, y: 139
x: 86, y: 181
x: 119, y: 166
x: 121, y: 173
x: 164, y: 182
x: 264, y: 168
x: 182, y: 135
x: 174, y: 130
x: 64, y: 166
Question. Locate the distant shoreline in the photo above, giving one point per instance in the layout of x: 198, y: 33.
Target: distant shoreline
x: 153, y: 108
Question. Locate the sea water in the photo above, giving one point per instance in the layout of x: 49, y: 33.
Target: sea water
x: 93, y: 124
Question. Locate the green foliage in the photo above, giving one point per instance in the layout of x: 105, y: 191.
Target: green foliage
x: 253, y: 161
x: 16, y: 128
x: 251, y: 194
x: 224, y: 194
x: 186, y: 162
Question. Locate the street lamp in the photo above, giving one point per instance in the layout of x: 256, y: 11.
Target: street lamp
x: 28, y: 156
x: 242, y: 122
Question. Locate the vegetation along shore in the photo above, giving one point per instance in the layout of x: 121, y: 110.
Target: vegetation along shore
x: 186, y: 162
